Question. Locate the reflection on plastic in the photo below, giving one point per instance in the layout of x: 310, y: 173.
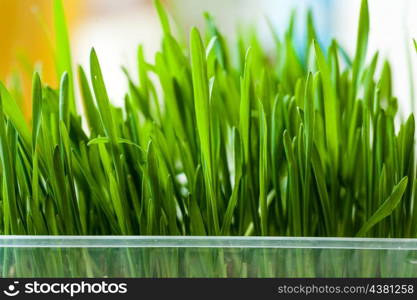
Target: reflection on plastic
x: 187, y: 257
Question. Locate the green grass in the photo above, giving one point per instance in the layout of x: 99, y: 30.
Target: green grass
x: 227, y: 140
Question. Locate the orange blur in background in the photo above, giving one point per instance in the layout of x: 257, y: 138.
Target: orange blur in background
x: 24, y: 41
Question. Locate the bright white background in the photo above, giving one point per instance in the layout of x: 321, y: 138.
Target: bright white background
x: 115, y: 28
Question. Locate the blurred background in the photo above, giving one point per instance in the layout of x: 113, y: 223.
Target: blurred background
x: 116, y: 27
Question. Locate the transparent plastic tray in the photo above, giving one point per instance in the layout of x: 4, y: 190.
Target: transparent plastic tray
x: 163, y: 257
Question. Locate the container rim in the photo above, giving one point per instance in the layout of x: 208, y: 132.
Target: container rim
x: 15, y: 241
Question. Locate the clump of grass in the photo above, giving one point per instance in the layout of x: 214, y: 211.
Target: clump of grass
x: 231, y: 143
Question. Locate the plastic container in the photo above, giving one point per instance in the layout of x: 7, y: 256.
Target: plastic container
x: 162, y: 257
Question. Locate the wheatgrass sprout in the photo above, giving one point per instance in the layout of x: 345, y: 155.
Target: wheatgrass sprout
x: 289, y: 143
